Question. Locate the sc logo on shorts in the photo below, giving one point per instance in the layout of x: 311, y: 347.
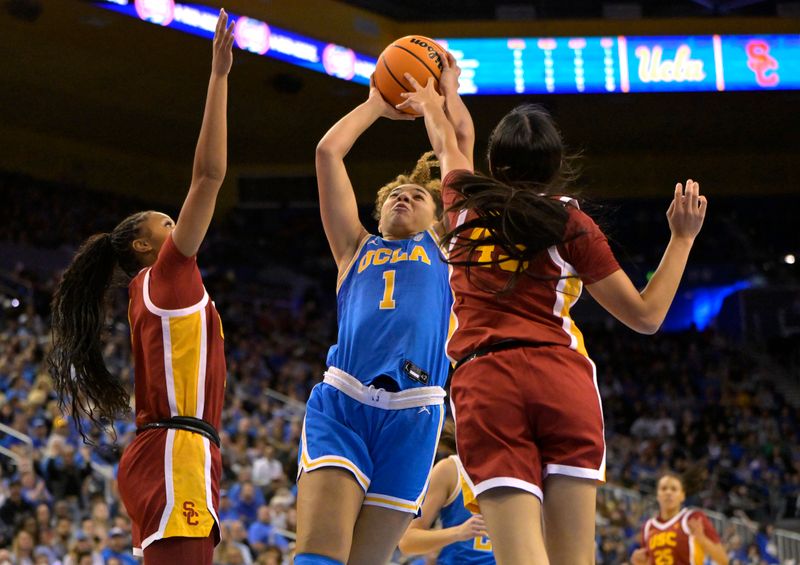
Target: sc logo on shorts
x: 190, y: 513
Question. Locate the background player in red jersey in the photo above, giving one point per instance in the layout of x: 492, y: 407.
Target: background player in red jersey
x: 677, y: 536
x: 169, y: 475
x: 528, y: 415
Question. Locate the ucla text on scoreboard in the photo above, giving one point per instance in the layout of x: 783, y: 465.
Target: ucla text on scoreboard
x: 628, y: 64
x: 527, y: 65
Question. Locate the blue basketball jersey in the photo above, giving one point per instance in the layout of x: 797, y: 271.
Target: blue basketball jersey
x: 394, y: 310
x: 477, y: 551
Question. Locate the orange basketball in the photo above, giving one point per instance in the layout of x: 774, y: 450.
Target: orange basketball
x: 417, y: 55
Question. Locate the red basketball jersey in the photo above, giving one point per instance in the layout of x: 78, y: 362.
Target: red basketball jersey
x: 177, y: 341
x: 538, y: 309
x: 671, y: 543
x: 169, y: 479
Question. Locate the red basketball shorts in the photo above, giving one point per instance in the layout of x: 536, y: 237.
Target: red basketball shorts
x: 169, y: 483
x: 523, y: 414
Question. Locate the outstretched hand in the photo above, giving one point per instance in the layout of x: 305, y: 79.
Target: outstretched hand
x: 222, y: 58
x: 422, y: 97
x: 687, y: 210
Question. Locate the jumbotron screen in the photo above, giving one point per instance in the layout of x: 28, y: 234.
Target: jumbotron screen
x: 527, y: 65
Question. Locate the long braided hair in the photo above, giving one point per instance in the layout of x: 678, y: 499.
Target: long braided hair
x: 84, y: 385
x: 514, y: 206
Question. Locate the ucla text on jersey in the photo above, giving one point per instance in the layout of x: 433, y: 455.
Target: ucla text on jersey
x: 394, y: 305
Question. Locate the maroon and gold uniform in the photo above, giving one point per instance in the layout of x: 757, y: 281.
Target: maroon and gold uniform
x: 169, y: 478
x: 526, y: 412
x: 671, y: 542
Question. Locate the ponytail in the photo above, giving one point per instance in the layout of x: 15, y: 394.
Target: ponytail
x: 80, y: 376
x: 519, y: 220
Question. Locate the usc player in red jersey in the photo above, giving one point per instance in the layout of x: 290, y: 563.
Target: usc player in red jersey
x: 169, y: 475
x: 529, y: 421
x: 677, y: 535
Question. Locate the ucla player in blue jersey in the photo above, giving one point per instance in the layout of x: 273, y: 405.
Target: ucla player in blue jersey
x: 462, y: 539
x: 371, y: 427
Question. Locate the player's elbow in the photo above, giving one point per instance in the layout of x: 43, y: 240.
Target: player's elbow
x: 206, y: 182
x: 327, y: 150
x: 640, y: 322
x: 323, y: 148
x: 647, y: 325
x: 210, y: 175
x: 405, y: 547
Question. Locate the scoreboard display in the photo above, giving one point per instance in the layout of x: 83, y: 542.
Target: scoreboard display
x: 526, y: 65
x: 564, y: 65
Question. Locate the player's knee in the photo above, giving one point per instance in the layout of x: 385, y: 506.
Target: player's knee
x: 323, y: 545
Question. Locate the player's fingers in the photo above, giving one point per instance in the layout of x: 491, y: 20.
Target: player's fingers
x: 687, y: 189
x: 221, y: 21
x: 703, y: 205
x: 692, y: 192
x: 412, y: 81
x: 678, y: 194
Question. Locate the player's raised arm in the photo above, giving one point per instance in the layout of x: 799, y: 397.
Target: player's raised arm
x: 441, y: 133
x: 645, y: 312
x: 337, y: 201
x: 456, y: 110
x: 211, y: 154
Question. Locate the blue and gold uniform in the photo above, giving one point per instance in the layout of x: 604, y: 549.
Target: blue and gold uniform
x: 379, y: 411
x: 478, y: 550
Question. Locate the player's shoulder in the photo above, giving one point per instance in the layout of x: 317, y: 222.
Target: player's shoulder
x: 446, y: 469
x: 690, y: 513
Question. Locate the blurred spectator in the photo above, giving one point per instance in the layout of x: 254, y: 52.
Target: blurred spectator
x: 118, y: 548
x: 65, y: 476
x: 246, y: 500
x: 261, y: 533
x: 15, y: 509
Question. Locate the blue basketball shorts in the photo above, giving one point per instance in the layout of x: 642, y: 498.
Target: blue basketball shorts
x: 387, y: 440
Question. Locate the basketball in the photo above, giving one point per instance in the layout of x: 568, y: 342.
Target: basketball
x: 417, y: 55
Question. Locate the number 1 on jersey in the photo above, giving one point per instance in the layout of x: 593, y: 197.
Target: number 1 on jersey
x: 388, y: 302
